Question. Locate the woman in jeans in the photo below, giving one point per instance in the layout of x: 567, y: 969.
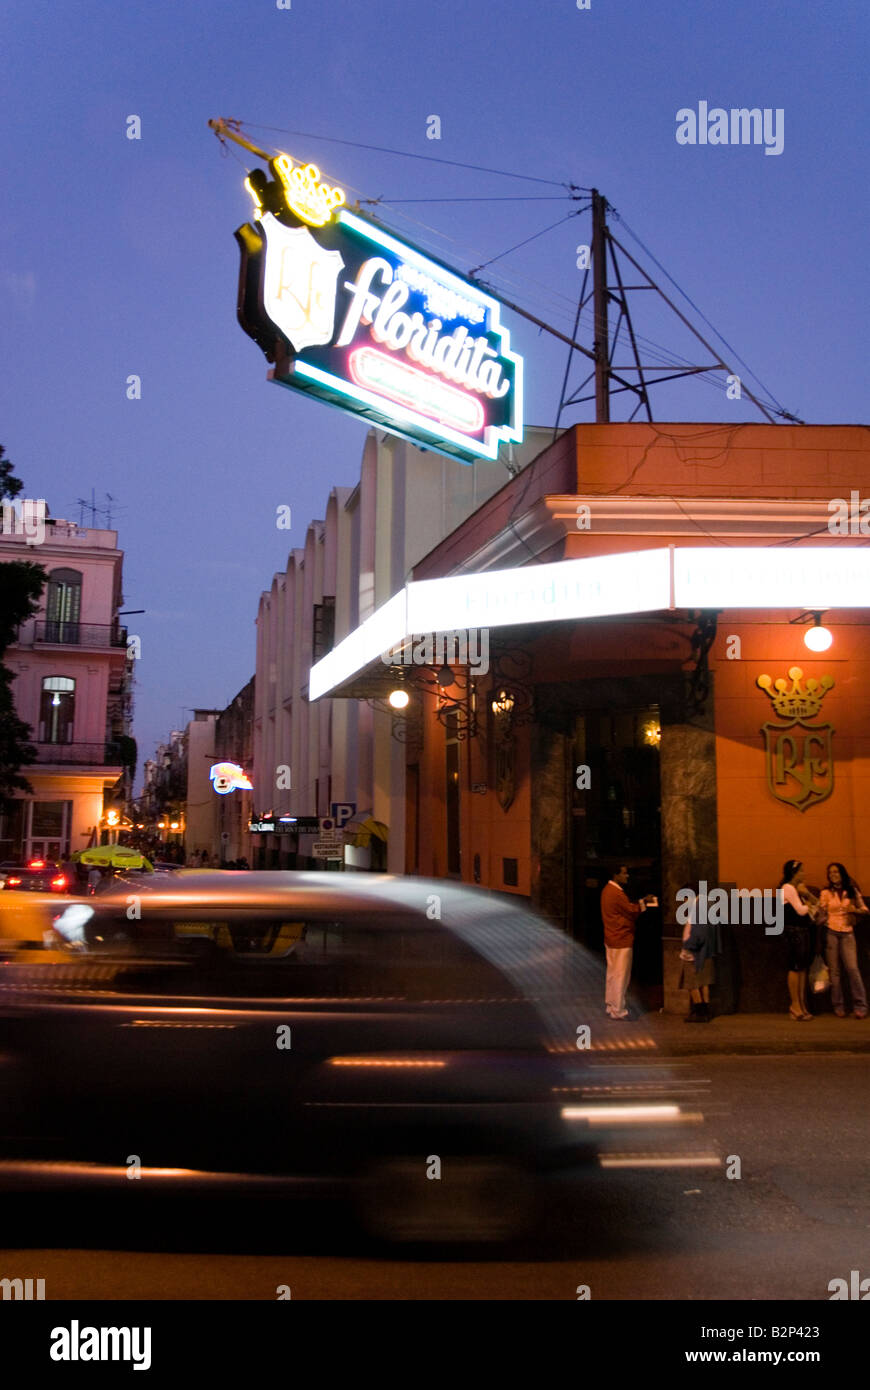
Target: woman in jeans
x: 798, y: 903
x: 839, y: 904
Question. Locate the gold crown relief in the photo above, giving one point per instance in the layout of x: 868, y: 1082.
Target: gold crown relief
x: 800, y: 701
x: 312, y: 201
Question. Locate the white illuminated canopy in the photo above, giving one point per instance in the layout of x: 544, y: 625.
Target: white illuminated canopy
x: 812, y: 577
x: 602, y: 584
x: 637, y: 581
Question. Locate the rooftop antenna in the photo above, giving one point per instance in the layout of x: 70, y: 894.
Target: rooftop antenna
x: 605, y: 376
x: 86, y: 506
x: 95, y: 510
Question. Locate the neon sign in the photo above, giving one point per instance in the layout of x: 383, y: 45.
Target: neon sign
x: 301, y: 192
x: 368, y: 323
x: 227, y: 777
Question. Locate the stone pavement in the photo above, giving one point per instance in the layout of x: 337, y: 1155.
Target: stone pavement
x: 759, y: 1034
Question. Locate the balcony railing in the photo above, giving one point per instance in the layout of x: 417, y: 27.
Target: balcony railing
x: 68, y: 634
x: 72, y: 754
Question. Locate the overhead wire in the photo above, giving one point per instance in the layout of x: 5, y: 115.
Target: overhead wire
x: 492, y: 260
x: 511, y: 198
x: 415, y: 154
x: 697, y: 310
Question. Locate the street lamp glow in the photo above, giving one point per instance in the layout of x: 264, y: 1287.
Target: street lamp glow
x: 399, y: 699
x: 818, y: 638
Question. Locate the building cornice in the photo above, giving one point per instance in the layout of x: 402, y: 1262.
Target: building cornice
x: 546, y: 527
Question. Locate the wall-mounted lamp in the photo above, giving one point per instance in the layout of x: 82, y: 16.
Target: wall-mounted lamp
x: 818, y: 638
x: 503, y: 704
x: 399, y: 699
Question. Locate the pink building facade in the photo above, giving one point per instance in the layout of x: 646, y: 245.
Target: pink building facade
x: 73, y: 687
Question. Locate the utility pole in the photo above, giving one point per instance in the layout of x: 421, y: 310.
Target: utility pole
x: 599, y: 301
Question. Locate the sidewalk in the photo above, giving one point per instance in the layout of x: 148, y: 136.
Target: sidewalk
x: 754, y: 1034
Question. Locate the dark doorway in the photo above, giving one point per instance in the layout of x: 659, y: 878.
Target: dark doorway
x: 616, y: 819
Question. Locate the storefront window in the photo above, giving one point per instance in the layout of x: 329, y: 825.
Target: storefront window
x: 50, y: 824
x: 12, y: 832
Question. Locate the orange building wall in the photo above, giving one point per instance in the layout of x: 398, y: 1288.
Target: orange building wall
x: 485, y: 829
x: 756, y: 831
x: 716, y: 460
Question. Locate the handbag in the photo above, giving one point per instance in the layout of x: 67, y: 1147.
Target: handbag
x: 820, y: 976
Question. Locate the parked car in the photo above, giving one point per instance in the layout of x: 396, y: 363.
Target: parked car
x: 36, y: 876
x: 409, y: 1043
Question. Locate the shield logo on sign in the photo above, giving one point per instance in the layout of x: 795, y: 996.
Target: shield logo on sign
x: 800, y: 764
x: 299, y: 284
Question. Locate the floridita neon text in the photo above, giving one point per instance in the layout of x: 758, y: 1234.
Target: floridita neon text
x: 456, y: 355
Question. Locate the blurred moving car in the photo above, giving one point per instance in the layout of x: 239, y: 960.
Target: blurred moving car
x: 432, y: 1051
x: 36, y: 876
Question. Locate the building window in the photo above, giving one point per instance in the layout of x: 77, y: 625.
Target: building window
x: 454, y: 865
x: 57, y: 709
x: 63, y: 607
x: 50, y: 826
x: 13, y: 831
x: 324, y: 628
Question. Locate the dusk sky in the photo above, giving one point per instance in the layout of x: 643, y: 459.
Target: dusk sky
x: 118, y: 255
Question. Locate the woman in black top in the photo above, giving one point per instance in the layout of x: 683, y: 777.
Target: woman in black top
x: 798, y: 904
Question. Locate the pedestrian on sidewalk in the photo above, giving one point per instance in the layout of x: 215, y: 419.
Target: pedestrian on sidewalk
x: 799, y: 905
x: 702, y: 943
x: 619, y: 915
x: 839, y: 905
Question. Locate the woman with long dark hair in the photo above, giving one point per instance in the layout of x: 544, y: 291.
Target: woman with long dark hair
x: 798, y: 904
x: 839, y: 904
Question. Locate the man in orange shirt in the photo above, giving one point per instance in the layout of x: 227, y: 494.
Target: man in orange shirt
x: 619, y: 916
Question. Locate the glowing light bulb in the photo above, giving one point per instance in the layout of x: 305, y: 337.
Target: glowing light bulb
x: 818, y: 638
x: 399, y: 699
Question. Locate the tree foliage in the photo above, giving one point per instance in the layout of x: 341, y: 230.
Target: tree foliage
x: 21, y: 586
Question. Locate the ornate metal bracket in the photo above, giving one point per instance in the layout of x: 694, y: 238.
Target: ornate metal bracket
x: 703, y: 637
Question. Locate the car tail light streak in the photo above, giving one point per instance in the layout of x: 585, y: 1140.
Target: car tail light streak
x: 631, y: 1160
x: 59, y: 883
x: 13, y: 882
x: 373, y: 1061
x: 605, y: 1114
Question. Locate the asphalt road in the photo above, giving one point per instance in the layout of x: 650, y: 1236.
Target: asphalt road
x: 797, y: 1217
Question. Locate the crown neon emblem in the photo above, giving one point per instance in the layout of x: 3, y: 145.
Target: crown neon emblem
x: 799, y: 702
x: 311, y: 200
